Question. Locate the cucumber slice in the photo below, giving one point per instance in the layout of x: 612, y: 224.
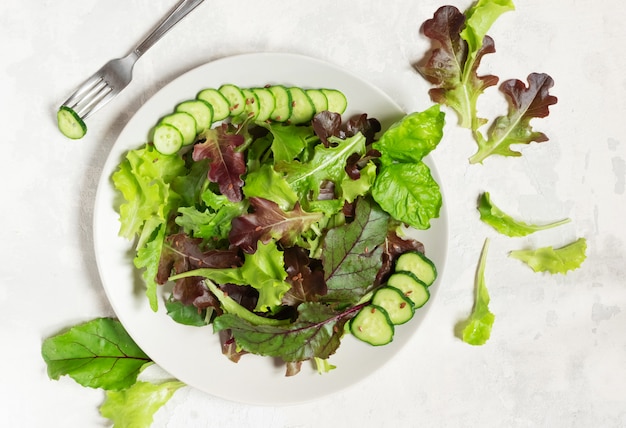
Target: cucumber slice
x: 319, y: 99
x: 302, y: 108
x: 398, y: 306
x: 372, y: 325
x: 185, y: 123
x: 267, y: 103
x: 419, y: 265
x: 167, y: 139
x: 201, y: 111
x: 235, y: 97
x: 70, y: 124
x: 337, y: 101
x: 283, y: 107
x: 252, y: 103
x: 221, y: 107
x: 412, y: 287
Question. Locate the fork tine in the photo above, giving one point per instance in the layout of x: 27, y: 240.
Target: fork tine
x: 101, y: 94
x: 85, y: 87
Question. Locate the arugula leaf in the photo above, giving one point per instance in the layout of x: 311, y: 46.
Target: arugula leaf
x: 96, y: 354
x: 409, y: 193
x: 504, y: 223
x: 352, y: 253
x: 413, y: 137
x: 226, y: 165
x: 327, y: 164
x: 477, y: 328
x: 525, y: 103
x: 316, y: 332
x: 135, y: 407
x: 268, y: 222
x: 548, y: 259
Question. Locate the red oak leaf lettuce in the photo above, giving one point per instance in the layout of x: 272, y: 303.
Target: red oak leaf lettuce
x: 225, y: 164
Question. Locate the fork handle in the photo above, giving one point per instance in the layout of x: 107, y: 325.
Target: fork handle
x: 176, y: 14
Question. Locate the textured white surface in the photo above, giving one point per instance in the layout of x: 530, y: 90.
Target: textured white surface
x: 557, y: 356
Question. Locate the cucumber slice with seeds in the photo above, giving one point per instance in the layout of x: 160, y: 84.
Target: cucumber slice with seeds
x: 235, y: 97
x: 419, y: 265
x: 167, y: 139
x: 185, y: 123
x: 412, y: 287
x: 398, y: 306
x: 201, y: 111
x: 252, y: 103
x: 302, y: 108
x: 372, y: 325
x: 267, y: 103
x: 319, y: 99
x: 70, y: 124
x: 337, y: 101
x: 282, y: 109
x: 221, y: 107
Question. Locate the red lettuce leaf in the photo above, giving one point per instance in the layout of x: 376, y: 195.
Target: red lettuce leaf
x: 394, y: 247
x: 525, y: 103
x: 305, y: 275
x: 225, y: 164
x: 269, y: 221
x: 453, y: 68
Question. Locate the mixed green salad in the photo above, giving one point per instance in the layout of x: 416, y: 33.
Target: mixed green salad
x: 283, y: 226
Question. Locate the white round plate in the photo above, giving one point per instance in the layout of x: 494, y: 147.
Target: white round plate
x: 193, y: 354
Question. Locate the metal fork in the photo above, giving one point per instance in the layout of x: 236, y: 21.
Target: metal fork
x: 115, y: 75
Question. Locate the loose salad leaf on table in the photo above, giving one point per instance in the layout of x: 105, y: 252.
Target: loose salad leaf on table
x: 277, y: 233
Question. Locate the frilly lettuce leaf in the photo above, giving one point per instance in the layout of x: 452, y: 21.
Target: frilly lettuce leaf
x: 504, y: 223
x: 135, y: 407
x: 549, y: 259
x: 476, y: 330
x: 525, y: 104
x: 144, y: 179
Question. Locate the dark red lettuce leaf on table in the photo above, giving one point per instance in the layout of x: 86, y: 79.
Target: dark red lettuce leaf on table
x: 225, y: 164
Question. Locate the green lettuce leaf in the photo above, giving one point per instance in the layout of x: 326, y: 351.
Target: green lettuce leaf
x: 413, y: 137
x: 148, y: 257
x: 477, y: 328
x: 409, y: 193
x: 548, y: 259
x: 96, y: 354
x: 352, y: 253
x: 289, y: 140
x: 135, y: 407
x: 143, y: 178
x: 268, y: 184
x: 504, y: 223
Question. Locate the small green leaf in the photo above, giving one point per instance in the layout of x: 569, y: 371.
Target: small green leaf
x: 96, y: 354
x: 476, y: 330
x: 135, y: 407
x: 505, y: 224
x: 548, y: 259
